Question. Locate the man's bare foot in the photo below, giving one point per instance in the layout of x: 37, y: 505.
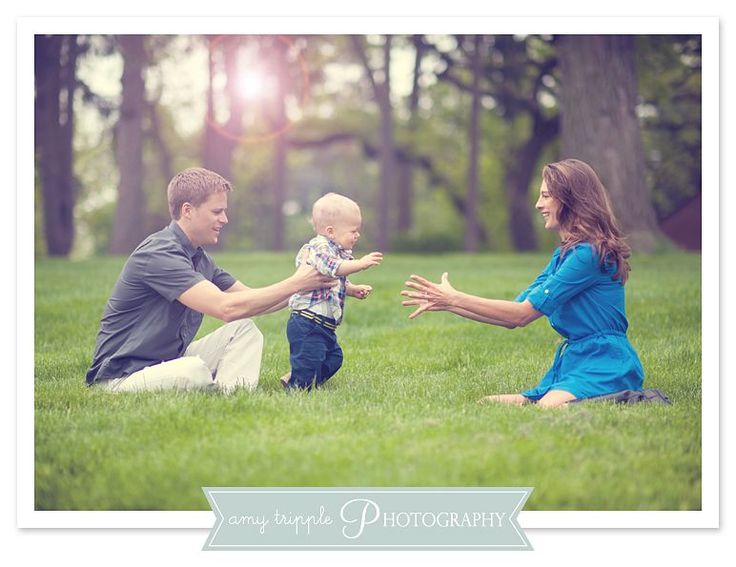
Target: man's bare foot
x: 285, y: 379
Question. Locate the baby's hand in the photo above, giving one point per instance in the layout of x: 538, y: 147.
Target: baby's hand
x: 370, y: 260
x: 359, y: 291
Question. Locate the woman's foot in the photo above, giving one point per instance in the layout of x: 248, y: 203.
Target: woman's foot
x: 555, y: 399
x: 510, y: 399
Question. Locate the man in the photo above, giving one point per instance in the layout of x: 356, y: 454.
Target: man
x: 165, y: 287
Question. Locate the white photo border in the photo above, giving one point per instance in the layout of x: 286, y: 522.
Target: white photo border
x: 707, y: 27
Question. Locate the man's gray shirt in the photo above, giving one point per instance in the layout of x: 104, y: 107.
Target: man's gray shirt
x: 143, y: 322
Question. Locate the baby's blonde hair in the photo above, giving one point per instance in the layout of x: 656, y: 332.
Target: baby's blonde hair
x: 329, y: 208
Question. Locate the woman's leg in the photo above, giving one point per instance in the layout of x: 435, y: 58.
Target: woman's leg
x: 555, y: 398
x: 552, y: 399
x: 511, y: 399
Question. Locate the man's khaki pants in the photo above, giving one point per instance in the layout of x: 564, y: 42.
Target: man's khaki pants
x: 226, y: 359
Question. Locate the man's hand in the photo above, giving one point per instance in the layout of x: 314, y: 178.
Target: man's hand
x: 370, y: 260
x: 358, y: 291
x: 309, y: 279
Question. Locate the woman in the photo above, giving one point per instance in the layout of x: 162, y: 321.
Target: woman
x: 581, y: 291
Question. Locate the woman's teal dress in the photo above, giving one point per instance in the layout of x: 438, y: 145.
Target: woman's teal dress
x: 585, y: 304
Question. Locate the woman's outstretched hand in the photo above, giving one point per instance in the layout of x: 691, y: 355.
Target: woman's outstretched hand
x: 428, y: 296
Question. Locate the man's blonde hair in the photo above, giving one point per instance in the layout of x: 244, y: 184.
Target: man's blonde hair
x: 329, y: 208
x: 194, y: 185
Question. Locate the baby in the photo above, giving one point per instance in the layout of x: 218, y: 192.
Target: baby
x: 314, y: 354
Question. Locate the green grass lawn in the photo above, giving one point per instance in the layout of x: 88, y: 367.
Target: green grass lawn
x: 401, y: 412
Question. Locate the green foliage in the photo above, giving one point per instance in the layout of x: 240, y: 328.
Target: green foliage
x: 426, y: 243
x: 96, y: 170
x: 401, y: 412
x: 340, y: 100
x: 94, y: 229
x: 670, y: 84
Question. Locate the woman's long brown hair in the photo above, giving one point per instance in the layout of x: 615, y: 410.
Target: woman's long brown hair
x: 585, y: 213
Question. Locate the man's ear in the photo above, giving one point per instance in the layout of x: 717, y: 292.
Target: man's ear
x: 186, y: 210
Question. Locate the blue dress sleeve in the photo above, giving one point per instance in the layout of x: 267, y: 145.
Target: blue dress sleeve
x: 578, y: 271
x: 540, y: 278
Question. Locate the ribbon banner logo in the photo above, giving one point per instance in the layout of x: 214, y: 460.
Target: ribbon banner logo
x: 370, y: 518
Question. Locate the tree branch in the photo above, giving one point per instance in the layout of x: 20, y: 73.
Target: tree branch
x: 329, y: 139
x: 403, y: 155
x: 104, y: 105
x: 360, y: 52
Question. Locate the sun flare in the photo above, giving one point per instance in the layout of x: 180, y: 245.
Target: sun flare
x: 252, y: 85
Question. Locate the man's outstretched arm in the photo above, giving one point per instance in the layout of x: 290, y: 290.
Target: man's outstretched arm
x: 207, y: 298
x: 240, y: 286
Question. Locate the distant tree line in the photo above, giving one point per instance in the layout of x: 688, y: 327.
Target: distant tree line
x: 441, y: 138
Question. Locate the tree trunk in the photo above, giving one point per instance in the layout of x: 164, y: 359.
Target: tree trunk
x: 220, y: 140
x: 521, y: 167
x: 600, y: 126
x: 405, y: 187
x: 471, y: 210
x: 279, y: 156
x: 209, y: 143
x: 387, y: 150
x: 387, y: 153
x: 165, y: 159
x: 156, y: 220
x: 128, y: 228
x: 55, y: 76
